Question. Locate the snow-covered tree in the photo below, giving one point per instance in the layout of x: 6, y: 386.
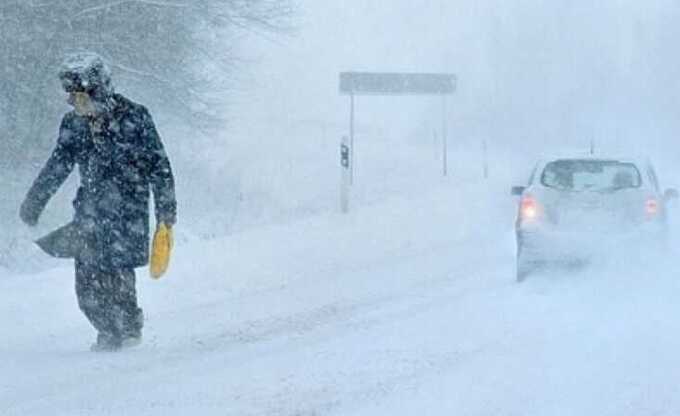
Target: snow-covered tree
x: 158, y: 48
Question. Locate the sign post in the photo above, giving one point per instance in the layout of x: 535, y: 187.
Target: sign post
x: 377, y: 83
x: 445, y: 139
x: 351, y: 139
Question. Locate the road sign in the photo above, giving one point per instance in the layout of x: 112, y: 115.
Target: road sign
x: 376, y: 83
x: 390, y: 83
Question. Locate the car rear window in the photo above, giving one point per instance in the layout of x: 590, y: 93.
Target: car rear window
x: 591, y: 175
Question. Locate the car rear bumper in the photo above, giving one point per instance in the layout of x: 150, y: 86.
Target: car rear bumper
x: 555, y: 245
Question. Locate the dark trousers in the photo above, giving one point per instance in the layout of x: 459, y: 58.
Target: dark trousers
x: 108, y: 298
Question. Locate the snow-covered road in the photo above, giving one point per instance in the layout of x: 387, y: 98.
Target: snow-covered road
x: 406, y: 307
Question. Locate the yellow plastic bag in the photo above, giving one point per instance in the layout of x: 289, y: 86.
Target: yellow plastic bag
x: 161, y: 249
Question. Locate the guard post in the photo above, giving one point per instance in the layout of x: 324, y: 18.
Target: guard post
x: 345, y: 174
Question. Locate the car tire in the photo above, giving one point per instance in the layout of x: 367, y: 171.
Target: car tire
x: 524, y: 269
x: 526, y: 263
x: 664, y: 243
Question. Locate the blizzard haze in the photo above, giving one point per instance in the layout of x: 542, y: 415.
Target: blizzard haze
x: 278, y: 303
x: 534, y: 77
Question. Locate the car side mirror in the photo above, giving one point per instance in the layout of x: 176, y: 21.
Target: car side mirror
x: 517, y: 190
x: 670, y: 194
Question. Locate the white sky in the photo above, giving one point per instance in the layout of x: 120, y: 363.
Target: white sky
x: 529, y: 71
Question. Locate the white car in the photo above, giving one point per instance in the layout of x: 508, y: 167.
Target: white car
x: 575, y: 205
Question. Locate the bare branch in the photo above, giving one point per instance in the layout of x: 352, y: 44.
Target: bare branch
x: 159, y: 47
x: 108, y: 6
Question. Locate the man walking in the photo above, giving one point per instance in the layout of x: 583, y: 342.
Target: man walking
x: 120, y: 158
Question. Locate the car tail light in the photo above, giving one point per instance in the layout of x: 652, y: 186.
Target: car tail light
x: 651, y: 207
x: 529, y: 208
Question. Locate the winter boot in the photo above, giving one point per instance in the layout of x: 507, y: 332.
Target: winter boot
x: 131, y: 338
x: 131, y: 341
x: 106, y: 343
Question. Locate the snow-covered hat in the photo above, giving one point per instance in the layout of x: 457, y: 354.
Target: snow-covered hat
x: 86, y: 71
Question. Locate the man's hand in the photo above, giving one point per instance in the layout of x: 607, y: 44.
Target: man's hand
x: 28, y: 215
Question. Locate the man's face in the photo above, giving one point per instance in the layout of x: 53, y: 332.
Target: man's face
x: 82, y: 103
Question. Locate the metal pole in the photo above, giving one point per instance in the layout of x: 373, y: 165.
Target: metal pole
x: 445, y: 144
x: 486, y: 159
x: 351, y: 139
x: 435, y: 144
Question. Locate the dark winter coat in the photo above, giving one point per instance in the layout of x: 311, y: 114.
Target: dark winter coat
x: 120, y: 158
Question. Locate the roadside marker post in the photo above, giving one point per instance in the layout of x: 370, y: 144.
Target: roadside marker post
x: 345, y: 174
x: 485, y: 151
